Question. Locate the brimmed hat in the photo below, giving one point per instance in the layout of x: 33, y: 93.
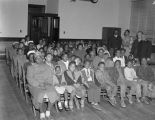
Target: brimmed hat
x: 37, y: 54
x: 31, y: 52
x: 15, y: 43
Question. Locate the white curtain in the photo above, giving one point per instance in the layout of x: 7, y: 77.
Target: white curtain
x: 143, y: 18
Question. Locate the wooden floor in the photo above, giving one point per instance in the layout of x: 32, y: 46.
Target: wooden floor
x: 13, y: 106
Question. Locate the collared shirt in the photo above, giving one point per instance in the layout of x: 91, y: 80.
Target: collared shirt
x: 66, y: 63
x: 87, y: 71
x: 130, y: 74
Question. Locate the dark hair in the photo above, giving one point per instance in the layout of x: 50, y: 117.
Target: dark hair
x: 71, y: 63
x: 78, y: 58
x: 129, y: 61
x: 139, y: 32
x: 87, y: 61
x: 100, y: 63
x: 126, y: 31
x: 118, y: 62
x: 122, y: 49
x: 41, y: 48
x: 79, y: 45
x: 28, y: 56
x: 57, y: 66
x: 64, y: 53
x: 19, y: 49
x: 48, y: 54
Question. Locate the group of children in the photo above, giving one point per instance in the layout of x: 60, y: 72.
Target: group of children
x: 79, y: 70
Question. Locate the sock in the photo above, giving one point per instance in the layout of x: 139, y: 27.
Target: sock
x: 47, y: 113
x: 60, y: 105
x: 95, y: 103
x: 42, y: 115
x: 66, y: 103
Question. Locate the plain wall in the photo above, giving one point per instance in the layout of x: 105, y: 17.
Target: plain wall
x: 124, y: 14
x: 84, y: 20
x: 52, y: 6
x: 13, y: 18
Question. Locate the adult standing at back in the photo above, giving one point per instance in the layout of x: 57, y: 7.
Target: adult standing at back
x: 141, y: 48
x: 127, y: 42
x: 115, y: 41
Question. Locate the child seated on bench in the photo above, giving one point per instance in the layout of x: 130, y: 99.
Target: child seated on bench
x: 60, y: 84
x: 74, y: 86
x: 105, y: 80
x: 88, y: 80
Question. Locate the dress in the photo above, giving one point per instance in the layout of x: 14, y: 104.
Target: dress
x: 93, y: 90
x: 74, y: 83
x: 40, y: 80
x: 127, y: 44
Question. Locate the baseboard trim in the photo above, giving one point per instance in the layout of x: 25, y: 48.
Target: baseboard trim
x: 69, y: 39
x: 10, y: 39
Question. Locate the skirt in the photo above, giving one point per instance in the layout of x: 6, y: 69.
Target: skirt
x: 38, y: 95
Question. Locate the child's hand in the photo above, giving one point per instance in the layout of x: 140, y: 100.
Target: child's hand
x: 150, y: 86
x: 87, y: 85
x: 135, y: 79
x: 63, y: 84
x: 77, y: 85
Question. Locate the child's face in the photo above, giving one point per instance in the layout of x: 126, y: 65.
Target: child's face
x: 101, y: 67
x: 144, y: 61
x: 21, y: 45
x: 92, y: 53
x: 41, y: 50
x: 117, y: 64
x: 87, y: 65
x: 49, y: 58
x: 118, y: 54
x: 65, y: 57
x: 78, y: 61
x: 130, y: 57
x: 72, y: 67
x: 72, y: 58
x: 80, y: 47
x: 57, y: 70
x: 20, y: 52
x: 55, y: 52
x: 87, y: 57
x: 122, y: 53
x: 31, y: 57
x: 101, y: 53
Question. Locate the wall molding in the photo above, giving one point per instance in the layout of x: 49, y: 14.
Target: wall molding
x: 10, y: 39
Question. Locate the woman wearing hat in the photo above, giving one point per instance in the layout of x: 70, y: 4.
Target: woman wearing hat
x: 40, y: 80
